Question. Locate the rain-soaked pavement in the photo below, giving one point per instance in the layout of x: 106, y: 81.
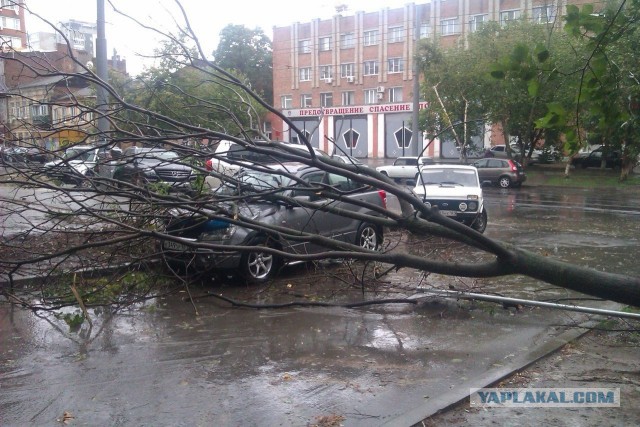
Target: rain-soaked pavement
x: 163, y: 365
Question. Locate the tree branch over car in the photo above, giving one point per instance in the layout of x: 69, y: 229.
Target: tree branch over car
x: 187, y: 108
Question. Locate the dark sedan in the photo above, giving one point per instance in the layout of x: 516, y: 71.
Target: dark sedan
x: 144, y: 166
x: 594, y: 159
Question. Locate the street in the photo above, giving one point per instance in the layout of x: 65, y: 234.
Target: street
x: 161, y: 364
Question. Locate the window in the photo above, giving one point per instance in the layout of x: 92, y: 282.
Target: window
x: 324, y: 43
x: 395, y: 65
x: 371, y: 68
x: 544, y: 14
x: 304, y: 46
x: 326, y: 72
x: 348, y: 98
x: 370, y: 37
x: 39, y: 110
x: 347, y: 70
x: 305, y: 74
x: 9, y: 4
x: 8, y: 42
x: 396, y: 34
x: 509, y: 15
x: 425, y: 31
x: 305, y: 100
x: 370, y: 96
x: 477, y: 22
x: 286, y: 101
x: 347, y: 40
x: 449, y: 26
x: 395, y: 94
x: 326, y: 99
x: 10, y: 23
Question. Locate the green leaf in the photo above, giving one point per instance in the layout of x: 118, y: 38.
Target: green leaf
x: 542, y: 53
x: 533, y: 88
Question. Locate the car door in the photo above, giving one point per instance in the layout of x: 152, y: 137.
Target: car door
x: 337, y: 226
x: 307, y: 220
x: 484, y: 174
x: 494, y: 169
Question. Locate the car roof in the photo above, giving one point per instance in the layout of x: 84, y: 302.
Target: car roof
x: 448, y: 166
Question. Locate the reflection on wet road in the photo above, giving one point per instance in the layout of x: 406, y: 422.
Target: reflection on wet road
x: 163, y: 365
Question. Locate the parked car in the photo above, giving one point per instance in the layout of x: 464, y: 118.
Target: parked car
x: 19, y: 156
x: 456, y: 191
x: 230, y: 157
x: 273, y: 210
x: 143, y: 166
x: 406, y: 167
x: 500, y: 151
x: 75, y: 166
x: 348, y: 159
x: 612, y: 159
x: 502, y: 172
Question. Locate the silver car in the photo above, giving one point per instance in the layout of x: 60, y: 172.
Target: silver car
x: 273, y: 212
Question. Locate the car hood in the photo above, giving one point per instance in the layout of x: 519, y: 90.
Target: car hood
x: 446, y: 191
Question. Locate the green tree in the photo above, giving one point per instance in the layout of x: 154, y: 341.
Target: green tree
x: 451, y: 91
x: 184, y: 90
x: 606, y: 100
x: 247, y: 52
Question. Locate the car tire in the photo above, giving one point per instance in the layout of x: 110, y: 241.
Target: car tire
x: 504, y: 182
x: 369, y: 237
x: 257, y: 266
x: 480, y: 223
x: 86, y: 181
x: 385, y: 173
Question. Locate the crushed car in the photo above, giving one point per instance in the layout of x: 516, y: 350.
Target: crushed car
x: 282, y: 209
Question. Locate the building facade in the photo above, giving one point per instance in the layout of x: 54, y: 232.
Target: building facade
x: 348, y: 82
x: 13, y: 35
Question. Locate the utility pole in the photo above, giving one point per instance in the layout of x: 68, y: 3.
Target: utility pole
x: 101, y: 64
x: 415, y: 132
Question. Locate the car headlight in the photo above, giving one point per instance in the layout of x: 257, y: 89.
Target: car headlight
x: 462, y: 206
x: 218, y: 234
x: 473, y: 206
x: 427, y: 204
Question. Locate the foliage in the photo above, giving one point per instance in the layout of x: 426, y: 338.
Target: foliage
x: 247, y: 52
x: 605, y: 105
x: 504, y: 76
x: 185, y: 91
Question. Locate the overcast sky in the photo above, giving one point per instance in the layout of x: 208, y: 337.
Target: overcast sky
x: 207, y: 17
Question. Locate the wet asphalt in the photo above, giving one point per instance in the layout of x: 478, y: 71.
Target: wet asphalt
x: 161, y: 364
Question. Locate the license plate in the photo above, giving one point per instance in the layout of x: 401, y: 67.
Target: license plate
x: 449, y: 213
x: 175, y: 246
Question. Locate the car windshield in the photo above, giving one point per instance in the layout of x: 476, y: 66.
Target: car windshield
x: 158, y: 156
x: 78, y: 154
x: 448, y: 176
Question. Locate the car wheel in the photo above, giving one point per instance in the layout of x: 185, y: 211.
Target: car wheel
x: 258, y: 266
x: 480, y: 223
x: 384, y: 173
x: 504, y: 182
x: 368, y: 237
x: 85, y: 181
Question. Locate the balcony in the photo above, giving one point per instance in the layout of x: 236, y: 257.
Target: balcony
x: 42, y: 122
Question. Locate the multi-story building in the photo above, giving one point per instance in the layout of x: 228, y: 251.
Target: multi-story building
x: 12, y: 27
x: 348, y: 81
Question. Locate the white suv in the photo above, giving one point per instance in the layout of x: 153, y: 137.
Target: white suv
x: 455, y: 191
x: 229, y: 157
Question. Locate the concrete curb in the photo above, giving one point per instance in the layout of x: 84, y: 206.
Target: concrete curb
x: 460, y: 393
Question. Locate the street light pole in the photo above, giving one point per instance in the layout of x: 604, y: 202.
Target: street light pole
x: 415, y: 131
x: 101, y: 64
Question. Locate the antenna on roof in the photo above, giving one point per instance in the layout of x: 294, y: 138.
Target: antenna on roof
x: 341, y: 8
